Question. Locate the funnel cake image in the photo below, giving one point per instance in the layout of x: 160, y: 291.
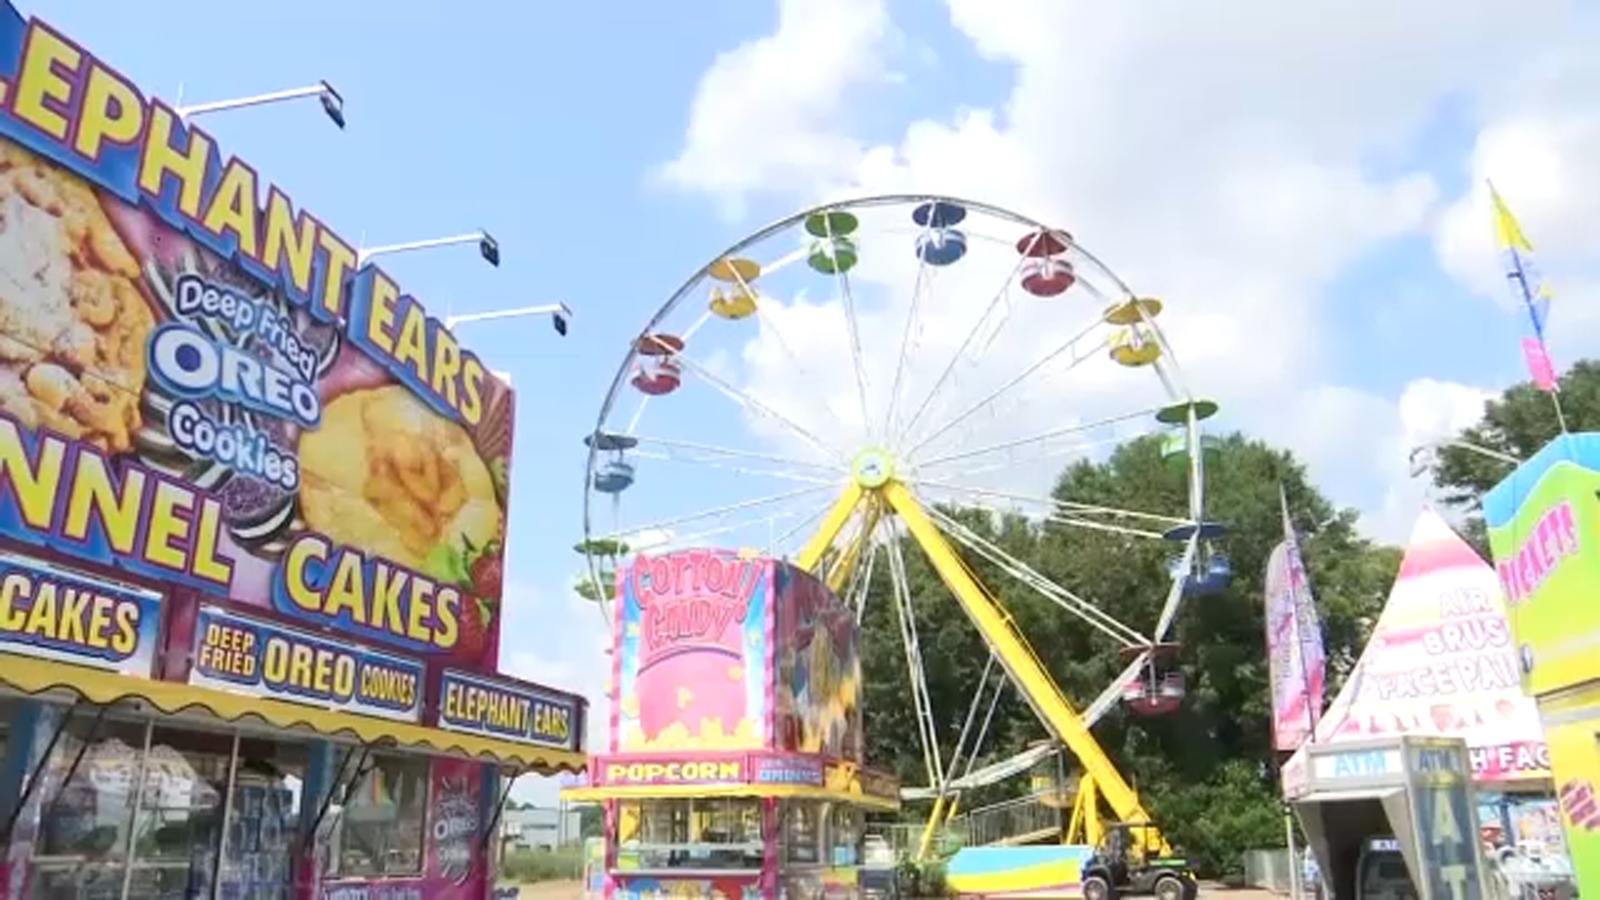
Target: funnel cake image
x: 73, y: 320
x: 386, y: 473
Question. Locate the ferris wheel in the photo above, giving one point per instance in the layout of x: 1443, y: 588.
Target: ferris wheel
x: 831, y: 385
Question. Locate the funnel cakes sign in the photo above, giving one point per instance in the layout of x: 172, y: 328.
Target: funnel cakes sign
x: 691, y: 652
x: 200, y: 385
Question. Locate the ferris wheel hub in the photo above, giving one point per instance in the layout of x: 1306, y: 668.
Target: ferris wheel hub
x: 873, y: 468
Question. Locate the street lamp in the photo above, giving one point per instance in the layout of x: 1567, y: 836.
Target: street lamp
x: 332, y: 102
x: 559, y: 315
x: 1428, y: 454
x: 488, y: 247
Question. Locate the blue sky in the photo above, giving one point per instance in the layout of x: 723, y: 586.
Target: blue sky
x: 548, y: 125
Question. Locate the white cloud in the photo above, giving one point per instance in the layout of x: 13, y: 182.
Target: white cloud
x: 1219, y: 156
x: 767, y: 108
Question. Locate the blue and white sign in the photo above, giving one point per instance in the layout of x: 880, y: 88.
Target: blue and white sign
x: 253, y: 656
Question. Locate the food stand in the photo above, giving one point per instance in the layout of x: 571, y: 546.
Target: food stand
x: 1542, y: 524
x: 252, y: 510
x: 734, y: 767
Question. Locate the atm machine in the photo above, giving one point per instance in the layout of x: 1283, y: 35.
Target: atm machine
x: 1393, y: 819
x: 1381, y: 872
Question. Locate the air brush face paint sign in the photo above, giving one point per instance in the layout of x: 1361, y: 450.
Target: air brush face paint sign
x: 199, y: 385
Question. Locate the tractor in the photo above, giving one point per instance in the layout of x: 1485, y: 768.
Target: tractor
x: 1126, y: 863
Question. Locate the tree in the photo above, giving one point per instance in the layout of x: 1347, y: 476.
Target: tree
x: 1517, y: 424
x: 1215, y: 754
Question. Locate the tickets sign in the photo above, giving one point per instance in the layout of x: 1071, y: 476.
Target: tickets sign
x: 1544, y: 528
x: 201, y: 384
x: 57, y: 614
x: 242, y: 654
x: 510, y: 710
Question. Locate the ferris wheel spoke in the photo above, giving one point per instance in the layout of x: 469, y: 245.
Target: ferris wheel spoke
x: 1013, y: 461
x: 1037, y: 438
x: 924, y: 274
x: 668, y: 524
x: 927, y: 730
x: 981, y: 502
x: 759, y: 408
x: 859, y: 591
x: 854, y: 329
x: 1071, y: 508
x: 1069, y: 345
x: 802, y: 526
x: 1089, y: 613
x: 764, y: 317
x: 713, y: 450
x: 767, y: 524
x: 949, y: 369
x: 713, y: 462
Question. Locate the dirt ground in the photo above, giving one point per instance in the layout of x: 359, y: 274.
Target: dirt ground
x: 552, y: 890
x: 572, y: 890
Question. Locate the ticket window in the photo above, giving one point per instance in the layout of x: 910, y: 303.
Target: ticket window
x: 700, y: 834
x: 802, y: 836
x: 382, y: 819
x: 845, y: 824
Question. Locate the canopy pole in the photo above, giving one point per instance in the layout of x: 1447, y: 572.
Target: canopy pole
x: 1294, y: 860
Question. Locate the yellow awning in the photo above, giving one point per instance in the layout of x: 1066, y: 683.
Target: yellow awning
x: 39, y: 676
x: 669, y: 791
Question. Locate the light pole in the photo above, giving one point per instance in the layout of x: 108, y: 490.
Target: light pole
x: 332, y: 102
x: 1425, y: 456
x: 560, y: 315
x: 488, y: 247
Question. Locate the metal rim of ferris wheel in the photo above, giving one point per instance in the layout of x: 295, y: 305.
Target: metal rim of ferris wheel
x: 889, y: 264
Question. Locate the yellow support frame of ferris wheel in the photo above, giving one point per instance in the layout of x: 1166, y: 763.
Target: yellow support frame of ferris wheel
x: 875, y: 485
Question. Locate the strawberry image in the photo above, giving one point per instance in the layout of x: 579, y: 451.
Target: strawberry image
x: 487, y: 572
x: 477, y: 625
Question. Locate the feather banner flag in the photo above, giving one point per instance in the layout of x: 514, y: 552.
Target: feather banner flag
x: 1526, y: 286
x: 1296, y: 656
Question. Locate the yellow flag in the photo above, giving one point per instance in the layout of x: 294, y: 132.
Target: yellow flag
x: 1506, y: 227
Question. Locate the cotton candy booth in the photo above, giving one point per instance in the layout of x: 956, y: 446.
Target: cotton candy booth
x: 253, y: 520
x: 734, y: 767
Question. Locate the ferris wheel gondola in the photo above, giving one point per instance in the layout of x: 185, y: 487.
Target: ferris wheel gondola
x: 889, y: 417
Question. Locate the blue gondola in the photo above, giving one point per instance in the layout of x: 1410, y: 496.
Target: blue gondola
x: 614, y: 476
x: 1211, y: 574
x: 941, y: 246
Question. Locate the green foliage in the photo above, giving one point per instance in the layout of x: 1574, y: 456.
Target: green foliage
x: 529, y: 866
x: 1518, y: 424
x: 1207, y: 772
x: 922, y: 880
x: 1234, y: 810
x: 591, y: 820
